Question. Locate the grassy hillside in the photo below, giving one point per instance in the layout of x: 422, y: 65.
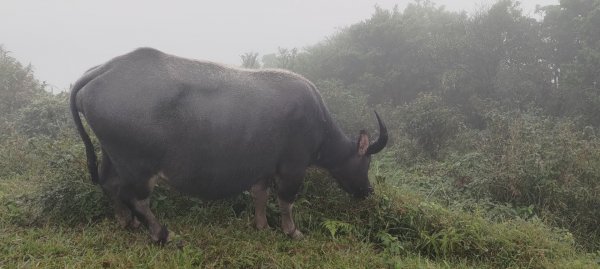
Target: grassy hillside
x: 52, y: 216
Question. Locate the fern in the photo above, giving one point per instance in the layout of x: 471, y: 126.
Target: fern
x: 334, y: 227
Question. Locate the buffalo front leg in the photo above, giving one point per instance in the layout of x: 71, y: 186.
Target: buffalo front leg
x: 287, y: 220
x: 290, y: 182
x: 260, y: 193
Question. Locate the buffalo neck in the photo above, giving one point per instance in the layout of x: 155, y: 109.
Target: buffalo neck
x: 335, y: 149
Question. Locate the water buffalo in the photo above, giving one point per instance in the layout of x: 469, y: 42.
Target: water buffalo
x: 210, y: 131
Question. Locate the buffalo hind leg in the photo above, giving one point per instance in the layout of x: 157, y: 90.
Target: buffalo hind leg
x: 111, y: 185
x: 137, y: 198
x: 260, y: 193
x: 158, y: 232
x: 290, y: 182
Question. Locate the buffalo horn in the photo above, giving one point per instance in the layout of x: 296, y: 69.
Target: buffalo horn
x: 378, y: 145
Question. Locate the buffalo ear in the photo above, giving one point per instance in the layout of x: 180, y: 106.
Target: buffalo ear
x: 363, y: 143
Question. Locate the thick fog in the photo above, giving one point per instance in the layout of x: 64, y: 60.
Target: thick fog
x: 63, y: 38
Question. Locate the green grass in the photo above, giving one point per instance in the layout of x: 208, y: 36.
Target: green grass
x: 51, y: 216
x: 221, y: 242
x: 103, y: 244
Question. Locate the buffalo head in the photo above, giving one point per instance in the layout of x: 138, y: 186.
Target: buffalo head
x: 353, y: 173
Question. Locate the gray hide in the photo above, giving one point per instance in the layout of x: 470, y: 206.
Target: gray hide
x: 210, y: 131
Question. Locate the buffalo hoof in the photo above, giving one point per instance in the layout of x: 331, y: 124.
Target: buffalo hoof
x: 134, y: 224
x: 263, y: 227
x: 128, y: 223
x: 296, y: 235
x: 164, y: 236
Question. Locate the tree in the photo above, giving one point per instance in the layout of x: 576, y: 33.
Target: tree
x: 250, y: 60
x: 46, y: 115
x: 572, y: 38
x: 392, y: 56
x: 18, y: 87
x: 430, y: 123
x: 502, y: 60
x: 284, y: 58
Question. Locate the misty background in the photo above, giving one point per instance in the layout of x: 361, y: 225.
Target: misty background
x: 63, y: 38
x: 492, y: 111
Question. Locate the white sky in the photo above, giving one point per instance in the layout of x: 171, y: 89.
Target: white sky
x: 63, y: 38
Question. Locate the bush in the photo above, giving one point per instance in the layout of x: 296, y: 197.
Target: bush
x: 402, y: 223
x: 18, y: 86
x: 66, y: 200
x: 536, y: 163
x: 56, y: 170
x: 47, y: 116
x: 15, y: 155
x: 431, y: 123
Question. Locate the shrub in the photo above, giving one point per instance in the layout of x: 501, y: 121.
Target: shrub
x: 536, y: 163
x: 430, y: 123
x: 18, y: 86
x: 15, y: 155
x: 66, y: 200
x: 57, y: 171
x: 402, y: 223
x: 47, y: 116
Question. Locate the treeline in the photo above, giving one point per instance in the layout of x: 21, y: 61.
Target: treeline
x: 499, y: 55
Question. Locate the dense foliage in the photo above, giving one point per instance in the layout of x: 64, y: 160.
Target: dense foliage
x: 499, y: 54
